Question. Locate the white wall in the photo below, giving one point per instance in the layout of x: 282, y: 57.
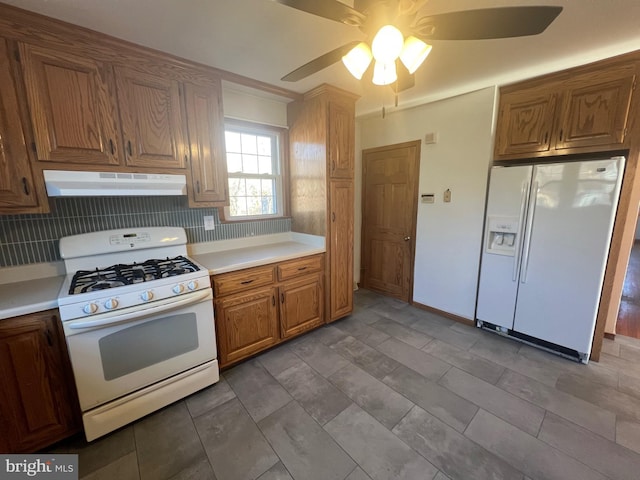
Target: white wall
x: 244, y: 103
x: 449, y: 235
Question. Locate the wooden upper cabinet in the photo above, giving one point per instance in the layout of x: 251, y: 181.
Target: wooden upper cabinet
x: 205, y: 125
x: 584, y: 111
x: 72, y: 107
x: 150, y: 114
x: 16, y: 180
x: 525, y: 122
x: 596, y: 108
x: 341, y: 138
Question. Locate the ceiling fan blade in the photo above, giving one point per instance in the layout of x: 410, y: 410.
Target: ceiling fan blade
x: 504, y: 22
x: 331, y: 9
x: 319, y: 63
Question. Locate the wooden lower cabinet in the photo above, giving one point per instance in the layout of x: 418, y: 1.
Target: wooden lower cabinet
x: 252, y: 316
x: 38, y: 401
x: 301, y: 305
x: 246, y: 323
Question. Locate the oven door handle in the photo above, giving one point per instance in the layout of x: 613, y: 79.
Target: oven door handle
x: 114, y: 318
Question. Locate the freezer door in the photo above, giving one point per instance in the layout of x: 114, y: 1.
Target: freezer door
x: 566, y: 250
x: 501, y: 249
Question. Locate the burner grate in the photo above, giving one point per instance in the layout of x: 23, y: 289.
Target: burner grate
x: 128, y: 274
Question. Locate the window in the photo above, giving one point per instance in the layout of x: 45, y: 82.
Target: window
x: 254, y: 166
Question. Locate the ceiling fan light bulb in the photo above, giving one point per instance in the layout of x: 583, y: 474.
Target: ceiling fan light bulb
x: 414, y: 53
x: 384, y: 73
x: 358, y: 59
x: 387, y: 44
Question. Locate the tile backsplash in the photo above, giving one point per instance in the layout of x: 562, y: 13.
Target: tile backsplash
x: 26, y: 239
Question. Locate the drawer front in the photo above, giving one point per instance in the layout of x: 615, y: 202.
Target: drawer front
x: 301, y: 266
x: 243, y: 280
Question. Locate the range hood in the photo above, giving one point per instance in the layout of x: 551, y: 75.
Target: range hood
x: 62, y: 183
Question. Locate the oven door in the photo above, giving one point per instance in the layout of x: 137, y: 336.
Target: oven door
x: 117, y: 353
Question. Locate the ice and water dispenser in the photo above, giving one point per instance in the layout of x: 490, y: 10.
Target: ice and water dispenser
x: 501, y: 235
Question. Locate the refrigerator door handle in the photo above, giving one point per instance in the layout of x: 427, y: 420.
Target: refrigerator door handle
x: 518, y: 253
x: 528, y: 232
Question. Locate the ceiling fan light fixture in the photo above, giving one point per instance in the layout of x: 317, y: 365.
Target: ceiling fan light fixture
x: 414, y: 53
x: 358, y: 59
x: 384, y: 73
x: 387, y: 44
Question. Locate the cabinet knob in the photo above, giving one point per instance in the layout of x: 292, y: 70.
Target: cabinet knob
x: 112, y: 147
x: 129, y: 149
x: 406, y: 239
x: 333, y: 216
x: 282, y: 298
x: 198, y: 186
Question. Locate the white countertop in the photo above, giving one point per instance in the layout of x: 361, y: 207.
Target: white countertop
x: 22, y: 298
x: 256, y: 251
x: 34, y: 288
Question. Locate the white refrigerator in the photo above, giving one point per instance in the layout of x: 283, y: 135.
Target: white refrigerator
x: 547, y: 235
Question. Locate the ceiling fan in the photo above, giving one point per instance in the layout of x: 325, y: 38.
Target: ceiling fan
x: 398, y: 55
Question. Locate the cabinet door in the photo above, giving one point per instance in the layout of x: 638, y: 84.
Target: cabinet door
x: 206, y: 141
x: 596, y: 108
x: 37, y: 400
x: 340, y: 249
x: 341, y: 140
x: 301, y: 305
x: 16, y: 179
x: 525, y: 122
x: 151, y: 118
x: 247, y: 323
x: 72, y: 107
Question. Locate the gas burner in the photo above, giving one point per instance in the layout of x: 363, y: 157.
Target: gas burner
x: 128, y: 274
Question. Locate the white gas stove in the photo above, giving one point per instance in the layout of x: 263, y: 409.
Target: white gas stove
x: 137, y: 314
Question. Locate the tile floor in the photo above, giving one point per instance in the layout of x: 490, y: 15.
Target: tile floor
x: 392, y: 392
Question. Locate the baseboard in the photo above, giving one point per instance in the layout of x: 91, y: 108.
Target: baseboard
x: 610, y: 336
x: 442, y: 313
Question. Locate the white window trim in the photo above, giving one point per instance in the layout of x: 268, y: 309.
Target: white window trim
x: 277, y: 134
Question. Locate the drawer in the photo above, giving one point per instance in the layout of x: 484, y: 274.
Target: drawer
x: 243, y: 280
x: 300, y: 266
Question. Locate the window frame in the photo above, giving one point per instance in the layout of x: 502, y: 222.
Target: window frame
x: 282, y: 194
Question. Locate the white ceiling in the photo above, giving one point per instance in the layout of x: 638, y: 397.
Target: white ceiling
x: 264, y: 40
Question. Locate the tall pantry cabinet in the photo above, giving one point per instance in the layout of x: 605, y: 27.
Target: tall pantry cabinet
x: 321, y: 169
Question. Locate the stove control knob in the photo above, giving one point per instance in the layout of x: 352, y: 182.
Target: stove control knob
x: 146, y: 295
x: 90, y: 308
x: 178, y: 289
x: 111, y: 304
x: 192, y: 285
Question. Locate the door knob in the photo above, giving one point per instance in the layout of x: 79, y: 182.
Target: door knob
x: 406, y: 239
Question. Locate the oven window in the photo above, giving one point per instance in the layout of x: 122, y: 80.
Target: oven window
x: 140, y: 346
